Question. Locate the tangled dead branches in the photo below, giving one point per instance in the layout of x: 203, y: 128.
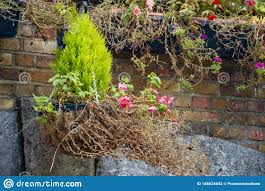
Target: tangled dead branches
x: 101, y: 129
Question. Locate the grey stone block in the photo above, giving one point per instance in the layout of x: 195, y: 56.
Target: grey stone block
x: 39, y: 156
x: 10, y: 153
x: 224, y: 159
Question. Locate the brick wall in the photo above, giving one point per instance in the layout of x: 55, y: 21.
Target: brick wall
x: 211, y: 108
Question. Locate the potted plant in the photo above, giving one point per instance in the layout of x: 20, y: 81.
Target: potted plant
x: 194, y: 34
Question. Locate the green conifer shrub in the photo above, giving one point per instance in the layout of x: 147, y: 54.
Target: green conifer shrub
x: 85, y: 53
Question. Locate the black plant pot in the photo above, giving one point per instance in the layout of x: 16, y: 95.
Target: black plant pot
x: 9, y: 22
x: 68, y: 107
x: 158, y: 47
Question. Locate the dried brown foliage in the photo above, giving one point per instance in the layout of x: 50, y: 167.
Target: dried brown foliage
x: 101, y: 129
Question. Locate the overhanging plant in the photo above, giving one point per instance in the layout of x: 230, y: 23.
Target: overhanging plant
x: 179, y: 26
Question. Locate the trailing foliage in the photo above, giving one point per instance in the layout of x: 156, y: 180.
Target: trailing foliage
x: 85, y: 53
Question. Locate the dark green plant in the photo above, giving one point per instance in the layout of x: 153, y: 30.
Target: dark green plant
x: 86, y: 54
x: 68, y: 87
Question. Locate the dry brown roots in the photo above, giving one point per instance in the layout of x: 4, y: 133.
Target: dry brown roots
x: 100, y: 130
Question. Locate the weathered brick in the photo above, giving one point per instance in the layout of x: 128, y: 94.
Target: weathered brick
x: 256, y: 106
x: 43, y: 90
x: 7, y: 103
x: 206, y: 88
x: 198, y: 116
x: 6, y: 58
x: 10, y: 43
x: 41, y: 76
x: 256, y: 135
x: 200, y: 129
x: 227, y: 132
x: 182, y: 101
x: 219, y: 103
x: 236, y: 133
x: 46, y: 33
x: 170, y: 85
x: 237, y: 119
x: 164, y: 70
x: 6, y: 89
x: 25, y: 30
x: 261, y: 120
x: 44, y: 61
x: 9, y: 74
x: 219, y: 132
x: 262, y: 148
x: 261, y: 92
x: 230, y: 90
x: 200, y: 102
x: 40, y: 46
x: 24, y: 60
x: 24, y: 90
x: 237, y: 105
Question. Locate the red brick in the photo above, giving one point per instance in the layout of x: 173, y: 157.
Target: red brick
x: 219, y: 132
x: 44, y: 90
x: 6, y: 58
x: 46, y: 33
x: 200, y: 102
x: 9, y: 74
x: 256, y: 106
x: 44, y: 61
x: 6, y: 89
x: 237, y: 105
x: 24, y: 60
x: 24, y: 90
x: 164, y: 70
x: 219, y: 103
x: 41, y: 76
x: 256, y: 135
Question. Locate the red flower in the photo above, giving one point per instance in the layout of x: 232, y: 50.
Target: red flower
x: 212, y: 17
x: 216, y: 2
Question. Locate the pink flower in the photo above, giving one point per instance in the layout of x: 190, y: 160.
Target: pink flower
x: 150, y: 4
x: 136, y: 10
x: 168, y: 111
x: 260, y: 65
x: 250, y: 3
x: 152, y: 109
x: 168, y: 100
x: 165, y: 100
x: 122, y: 87
x: 125, y: 102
